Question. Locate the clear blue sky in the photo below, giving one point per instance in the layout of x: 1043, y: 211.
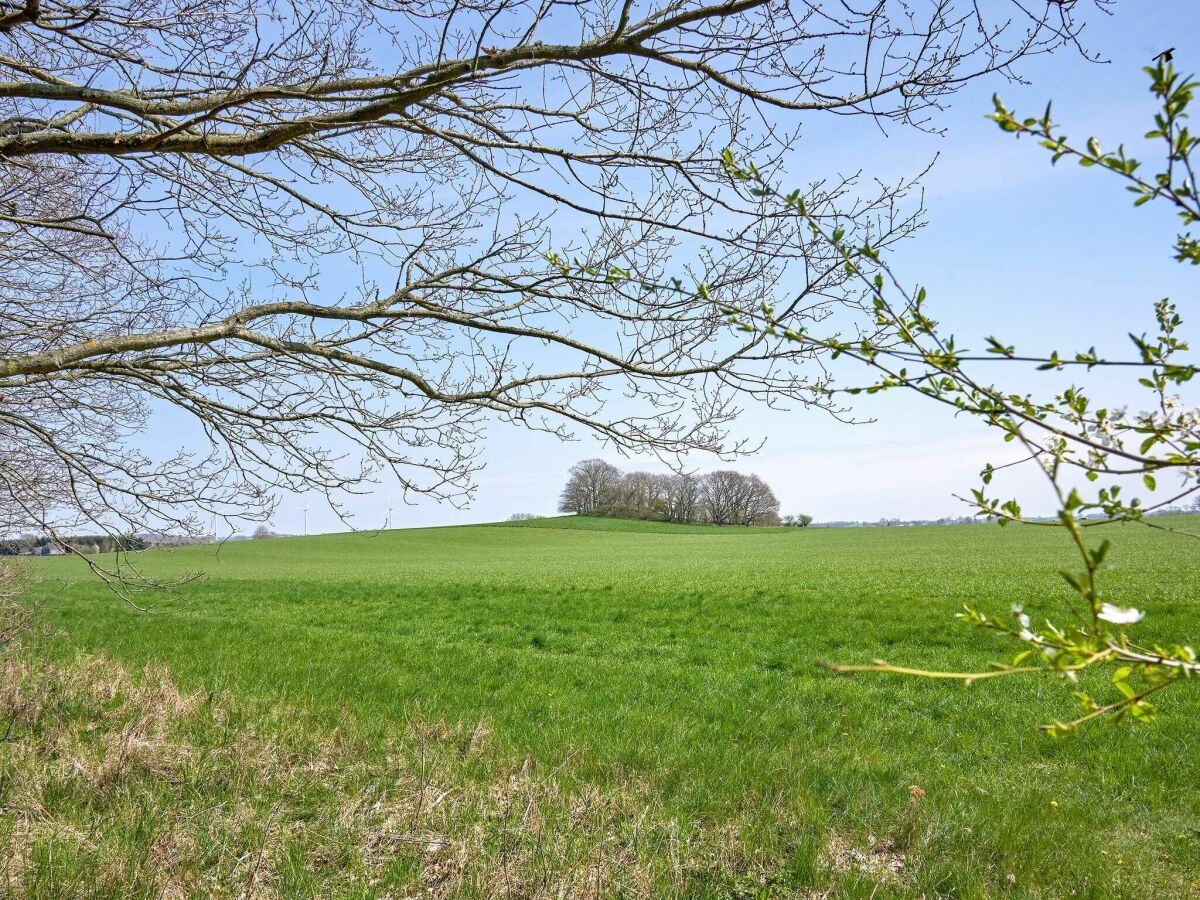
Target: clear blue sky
x: 1013, y: 247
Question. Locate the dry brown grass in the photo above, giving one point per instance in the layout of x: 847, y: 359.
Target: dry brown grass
x: 118, y: 783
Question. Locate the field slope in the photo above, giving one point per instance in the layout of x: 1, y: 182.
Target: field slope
x: 671, y: 674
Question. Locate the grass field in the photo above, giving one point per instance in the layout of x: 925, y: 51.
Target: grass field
x: 609, y: 708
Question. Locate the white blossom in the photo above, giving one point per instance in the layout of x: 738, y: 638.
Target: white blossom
x: 1118, y: 616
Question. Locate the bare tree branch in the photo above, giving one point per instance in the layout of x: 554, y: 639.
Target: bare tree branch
x: 332, y: 235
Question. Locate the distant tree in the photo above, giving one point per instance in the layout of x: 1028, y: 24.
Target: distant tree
x: 682, y: 499
x: 262, y: 532
x: 731, y: 498
x: 641, y: 495
x: 522, y: 517
x: 656, y: 497
x: 721, y: 495
x: 627, y: 495
x: 590, y: 487
x: 757, y: 504
x: 798, y: 521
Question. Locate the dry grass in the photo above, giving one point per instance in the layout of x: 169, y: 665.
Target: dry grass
x: 118, y: 784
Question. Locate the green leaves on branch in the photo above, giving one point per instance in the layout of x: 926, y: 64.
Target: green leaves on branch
x: 1174, y: 183
x: 1064, y: 433
x: 1068, y: 432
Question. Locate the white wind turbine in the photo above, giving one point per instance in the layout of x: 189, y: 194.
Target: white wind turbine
x: 388, y: 522
x: 304, y: 509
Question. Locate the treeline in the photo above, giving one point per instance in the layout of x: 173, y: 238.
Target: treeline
x: 43, y: 545
x: 597, y: 488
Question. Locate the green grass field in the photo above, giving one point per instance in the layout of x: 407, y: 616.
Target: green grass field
x: 662, y: 679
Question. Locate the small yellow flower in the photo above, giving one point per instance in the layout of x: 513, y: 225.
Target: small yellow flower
x: 1054, y: 803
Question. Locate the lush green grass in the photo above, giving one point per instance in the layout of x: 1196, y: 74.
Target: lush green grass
x: 679, y: 664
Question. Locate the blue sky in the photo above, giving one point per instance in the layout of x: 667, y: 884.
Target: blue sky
x: 1013, y: 247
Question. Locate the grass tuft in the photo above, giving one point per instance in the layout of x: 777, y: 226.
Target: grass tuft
x: 119, y: 784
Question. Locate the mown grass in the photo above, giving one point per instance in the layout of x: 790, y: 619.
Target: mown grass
x: 669, y: 675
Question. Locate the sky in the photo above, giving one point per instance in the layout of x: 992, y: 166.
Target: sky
x: 1013, y: 247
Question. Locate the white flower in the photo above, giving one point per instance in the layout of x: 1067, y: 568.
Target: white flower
x: 1023, y: 618
x: 1118, y: 616
x: 1017, y: 609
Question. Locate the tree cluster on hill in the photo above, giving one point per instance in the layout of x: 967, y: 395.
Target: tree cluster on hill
x: 725, y: 497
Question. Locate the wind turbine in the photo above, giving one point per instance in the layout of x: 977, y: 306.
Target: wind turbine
x: 304, y: 509
x: 388, y: 523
